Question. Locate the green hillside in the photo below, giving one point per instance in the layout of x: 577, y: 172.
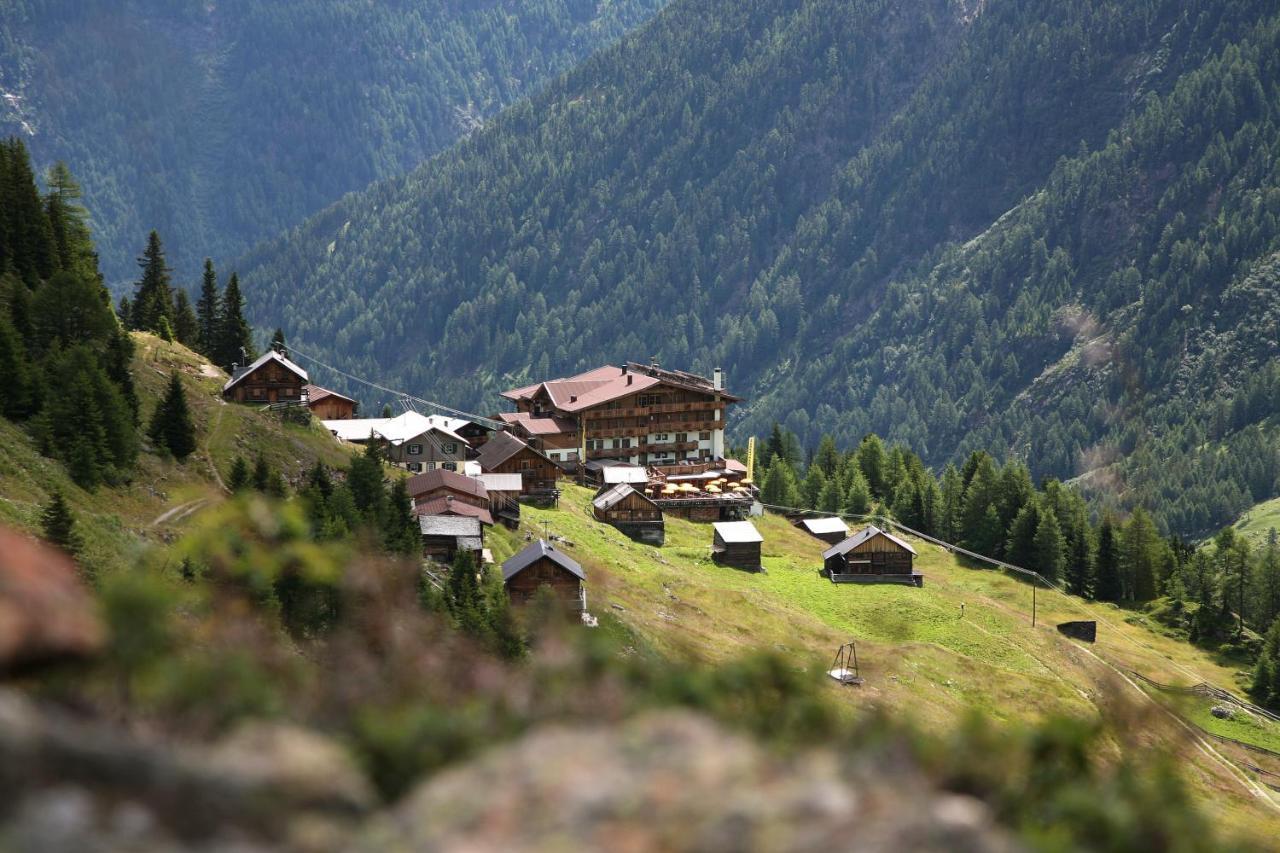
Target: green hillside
x: 120, y: 523
x: 1044, y: 228
x: 222, y: 123
x: 919, y: 654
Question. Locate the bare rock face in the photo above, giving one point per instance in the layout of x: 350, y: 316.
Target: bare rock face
x: 676, y: 781
x: 46, y: 614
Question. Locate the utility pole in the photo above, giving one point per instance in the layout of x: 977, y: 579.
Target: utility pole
x: 546, y: 530
x: 1033, y: 600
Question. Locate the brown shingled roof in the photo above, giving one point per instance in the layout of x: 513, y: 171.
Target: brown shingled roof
x: 431, y: 481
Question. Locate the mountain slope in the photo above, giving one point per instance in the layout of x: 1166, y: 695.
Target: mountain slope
x: 221, y: 123
x: 957, y: 225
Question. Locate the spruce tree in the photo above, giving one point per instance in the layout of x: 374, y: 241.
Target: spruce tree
x: 88, y: 423
x: 208, y: 312
x: 830, y: 500
x: 872, y: 462
x: 1268, y: 580
x: 1050, y: 550
x: 238, y: 479
x: 235, y: 337
x: 171, y: 424
x: 1140, y: 555
x: 58, y: 525
x: 857, y: 500
x: 400, y: 531
x: 365, y: 480
x: 277, y: 342
x: 69, y: 223
x: 18, y: 390
x: 1108, y: 585
x: 186, y: 327
x: 1020, y: 549
x: 27, y: 246
x: 261, y: 477
x: 1266, y: 672
x: 153, y: 298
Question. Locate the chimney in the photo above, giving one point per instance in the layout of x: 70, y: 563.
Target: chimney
x: 629, y: 378
x: 625, y: 369
x: 573, y: 398
x: 717, y: 379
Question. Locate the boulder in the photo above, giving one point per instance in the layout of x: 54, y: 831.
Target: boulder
x: 677, y: 781
x: 46, y: 614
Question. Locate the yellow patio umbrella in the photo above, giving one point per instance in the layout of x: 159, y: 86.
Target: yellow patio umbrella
x: 747, y: 480
x: 669, y: 490
x: 688, y: 487
x: 714, y: 489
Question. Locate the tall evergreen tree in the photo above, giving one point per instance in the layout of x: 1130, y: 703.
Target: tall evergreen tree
x: 365, y: 479
x: 1266, y: 672
x: 69, y: 223
x: 153, y: 298
x: 1050, y: 549
x: 277, y: 342
x: 208, y: 312
x: 238, y: 479
x: 171, y: 424
x: 400, y: 531
x: 1267, y: 583
x: 857, y: 501
x: 1140, y: 555
x: 1020, y: 549
x: 951, y: 509
x: 18, y: 391
x: 26, y: 236
x: 1107, y: 582
x: 235, y: 340
x: 58, y: 525
x: 186, y: 327
x: 873, y: 462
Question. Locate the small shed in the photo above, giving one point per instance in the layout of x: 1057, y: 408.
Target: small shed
x: 872, y: 555
x: 443, y: 536
x: 504, y: 453
x: 632, y: 512
x: 543, y: 564
x: 504, y: 496
x: 329, y: 405
x: 831, y: 530
x: 737, y: 544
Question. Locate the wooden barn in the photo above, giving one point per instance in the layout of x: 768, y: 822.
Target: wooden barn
x: 443, y: 536
x: 831, y: 530
x: 737, y: 544
x: 271, y: 379
x: 872, y: 555
x: 504, y: 453
x: 542, y: 564
x: 330, y: 405
x: 632, y: 512
x: 504, y: 496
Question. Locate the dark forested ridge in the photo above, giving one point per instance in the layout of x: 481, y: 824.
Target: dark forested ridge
x: 1044, y: 228
x: 221, y: 123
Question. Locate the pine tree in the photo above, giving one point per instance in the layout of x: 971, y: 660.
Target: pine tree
x: 1140, y: 555
x: 277, y: 342
x: 58, y: 525
x: 208, y: 313
x: 171, y: 424
x: 400, y: 530
x: 830, y: 498
x: 1266, y: 672
x: 857, y: 500
x: 1108, y: 585
x: 87, y: 424
x: 153, y: 298
x: 463, y: 594
x: 26, y: 236
x: 165, y: 330
x: 1020, y: 549
x: 261, y: 476
x: 238, y: 479
x: 318, y: 478
x: 69, y: 223
x: 235, y: 337
x: 981, y: 528
x: 186, y: 328
x: 365, y: 480
x: 1050, y: 550
x: 1268, y: 580
x: 827, y: 456
x: 18, y: 391
x: 872, y: 462
x: 780, y: 487
x: 951, y: 509
x: 811, y: 489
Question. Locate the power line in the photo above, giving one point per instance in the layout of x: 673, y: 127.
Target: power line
x: 403, y: 395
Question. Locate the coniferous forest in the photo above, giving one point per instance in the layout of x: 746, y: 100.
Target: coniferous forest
x: 984, y: 237
x: 224, y: 123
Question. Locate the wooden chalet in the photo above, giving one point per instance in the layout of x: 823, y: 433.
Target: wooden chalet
x: 504, y: 453
x: 737, y: 544
x: 639, y: 413
x: 631, y: 511
x: 872, y: 555
x: 443, y: 536
x: 831, y: 530
x: 440, y: 483
x: 504, y: 496
x: 542, y: 564
x: 272, y: 378
x: 330, y: 405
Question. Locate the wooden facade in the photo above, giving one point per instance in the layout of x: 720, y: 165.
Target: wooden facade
x: 271, y: 379
x: 330, y: 405
x: 632, y: 512
x: 737, y: 544
x: 871, y: 555
x: 504, y: 453
x: 443, y: 536
x: 539, y: 565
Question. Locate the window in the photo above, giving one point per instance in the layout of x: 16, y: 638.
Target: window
x: 415, y: 450
x: 626, y: 442
x: 704, y: 436
x: 662, y: 436
x: 451, y: 447
x: 526, y: 464
x: 415, y: 467
x: 682, y: 437
x: 258, y: 392
x: 449, y: 466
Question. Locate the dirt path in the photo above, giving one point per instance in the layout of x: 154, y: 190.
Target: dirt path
x: 208, y: 456
x: 178, y: 512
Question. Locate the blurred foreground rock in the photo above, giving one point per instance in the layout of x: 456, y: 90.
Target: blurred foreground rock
x: 675, y: 781
x: 46, y: 614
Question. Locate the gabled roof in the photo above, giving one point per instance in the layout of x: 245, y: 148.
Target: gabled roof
x: 737, y: 532
x: 446, y: 505
x: 441, y: 479
x: 397, y: 430
x: 536, y: 551
x: 500, y: 448
x: 576, y: 393
x: 610, y: 497
x: 502, y: 482
x: 825, y: 525
x: 449, y: 525
x: 861, y: 536
x: 269, y: 355
x: 539, y: 425
x: 315, y: 394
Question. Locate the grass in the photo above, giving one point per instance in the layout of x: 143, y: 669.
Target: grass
x: 918, y: 653
x: 1258, y: 522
